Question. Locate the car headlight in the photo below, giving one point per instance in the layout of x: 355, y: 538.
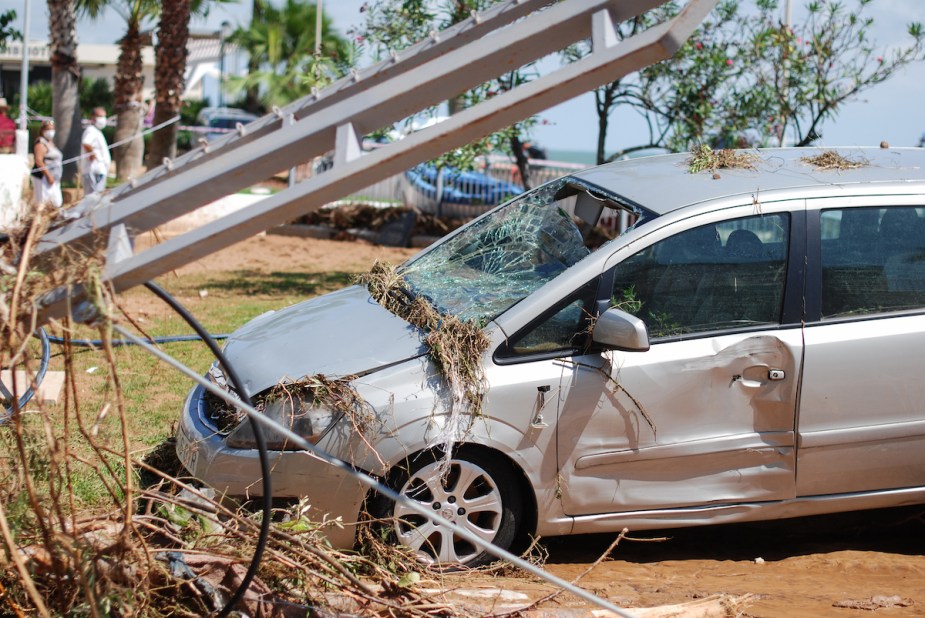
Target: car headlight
x: 301, y: 417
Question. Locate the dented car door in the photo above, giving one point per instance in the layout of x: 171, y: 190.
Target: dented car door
x: 706, y: 415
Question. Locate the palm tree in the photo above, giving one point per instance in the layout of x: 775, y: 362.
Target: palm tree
x: 129, y: 78
x: 281, y: 46
x: 169, y: 68
x: 65, y: 78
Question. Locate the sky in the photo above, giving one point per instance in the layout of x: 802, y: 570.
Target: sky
x: 891, y: 111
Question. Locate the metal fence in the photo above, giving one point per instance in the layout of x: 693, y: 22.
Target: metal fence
x: 450, y: 193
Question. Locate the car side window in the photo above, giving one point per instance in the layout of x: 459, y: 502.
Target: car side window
x: 713, y: 277
x: 561, y: 331
x: 873, y: 260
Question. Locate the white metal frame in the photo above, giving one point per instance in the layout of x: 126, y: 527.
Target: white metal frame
x: 478, y: 49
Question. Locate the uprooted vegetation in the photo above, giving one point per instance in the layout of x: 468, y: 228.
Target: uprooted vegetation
x: 346, y: 218
x: 94, y: 522
x: 832, y: 160
x: 315, y: 391
x: 702, y: 158
x: 455, y: 346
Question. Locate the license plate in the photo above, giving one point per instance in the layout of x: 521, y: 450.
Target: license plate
x: 187, y: 452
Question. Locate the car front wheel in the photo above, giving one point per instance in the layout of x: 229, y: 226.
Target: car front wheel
x: 473, y: 490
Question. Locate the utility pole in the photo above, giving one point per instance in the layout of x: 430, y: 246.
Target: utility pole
x: 319, y: 16
x: 22, y: 135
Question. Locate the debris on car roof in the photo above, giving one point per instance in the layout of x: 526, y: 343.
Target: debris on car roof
x: 705, y: 158
x: 832, y: 160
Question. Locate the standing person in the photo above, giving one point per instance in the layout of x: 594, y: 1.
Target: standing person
x: 94, y: 165
x: 46, y: 174
x: 7, y: 129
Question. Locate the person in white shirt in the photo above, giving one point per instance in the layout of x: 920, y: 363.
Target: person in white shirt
x: 94, y: 165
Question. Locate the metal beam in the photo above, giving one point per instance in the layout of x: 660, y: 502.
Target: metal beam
x: 273, y: 146
x: 602, y: 66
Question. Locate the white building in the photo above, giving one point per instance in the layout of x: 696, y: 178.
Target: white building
x: 99, y: 61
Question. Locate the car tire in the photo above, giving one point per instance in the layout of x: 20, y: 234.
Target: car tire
x: 478, y: 491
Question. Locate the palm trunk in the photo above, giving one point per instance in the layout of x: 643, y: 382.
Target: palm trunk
x: 65, y: 80
x: 129, y: 111
x: 173, y: 35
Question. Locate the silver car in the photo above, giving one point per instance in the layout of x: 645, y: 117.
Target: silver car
x: 748, y: 348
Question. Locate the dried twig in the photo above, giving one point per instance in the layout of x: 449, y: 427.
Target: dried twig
x: 832, y: 160
x: 705, y: 158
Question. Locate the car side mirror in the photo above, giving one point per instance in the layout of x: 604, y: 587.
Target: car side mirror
x: 619, y: 330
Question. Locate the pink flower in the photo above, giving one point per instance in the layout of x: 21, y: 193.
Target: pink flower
x: 880, y: 59
x: 729, y: 62
x: 799, y: 39
x: 360, y: 39
x: 698, y: 45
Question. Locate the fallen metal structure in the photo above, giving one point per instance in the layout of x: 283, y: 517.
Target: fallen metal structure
x: 488, y: 44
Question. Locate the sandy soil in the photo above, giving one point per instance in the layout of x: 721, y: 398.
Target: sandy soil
x: 793, y: 568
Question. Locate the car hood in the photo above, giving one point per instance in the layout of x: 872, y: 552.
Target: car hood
x: 342, y: 333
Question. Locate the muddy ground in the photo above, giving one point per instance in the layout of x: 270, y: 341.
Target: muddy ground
x: 851, y: 565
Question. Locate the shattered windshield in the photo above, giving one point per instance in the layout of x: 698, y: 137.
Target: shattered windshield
x: 500, y: 259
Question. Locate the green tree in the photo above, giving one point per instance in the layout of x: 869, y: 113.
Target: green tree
x: 281, y: 47
x: 392, y: 25
x: 252, y: 93
x: 7, y: 31
x: 747, y: 79
x: 138, y: 15
x: 129, y: 79
x: 95, y: 93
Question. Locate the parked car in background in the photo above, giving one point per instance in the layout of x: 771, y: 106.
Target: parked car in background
x: 223, y: 119
x: 749, y: 348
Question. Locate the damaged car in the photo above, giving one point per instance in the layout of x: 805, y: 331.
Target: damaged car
x: 748, y: 347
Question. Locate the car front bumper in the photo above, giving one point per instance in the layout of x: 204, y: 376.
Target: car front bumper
x: 330, y: 490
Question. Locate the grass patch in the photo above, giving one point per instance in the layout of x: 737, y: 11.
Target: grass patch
x: 288, y: 285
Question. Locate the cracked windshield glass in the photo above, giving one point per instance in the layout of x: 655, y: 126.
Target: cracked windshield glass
x: 500, y: 259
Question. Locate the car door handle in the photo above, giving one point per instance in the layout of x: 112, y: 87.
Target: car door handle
x: 774, y: 375
x: 746, y: 382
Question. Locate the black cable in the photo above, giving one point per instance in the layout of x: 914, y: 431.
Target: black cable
x: 13, y: 406
x: 258, y: 436
x: 98, y: 343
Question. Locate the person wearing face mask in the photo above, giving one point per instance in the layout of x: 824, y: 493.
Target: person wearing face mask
x: 46, y: 174
x: 94, y: 165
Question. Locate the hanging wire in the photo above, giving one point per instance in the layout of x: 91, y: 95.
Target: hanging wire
x: 374, y: 484
x: 258, y: 437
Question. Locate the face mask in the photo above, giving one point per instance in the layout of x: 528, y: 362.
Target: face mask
x: 100, y: 122
x: 49, y: 135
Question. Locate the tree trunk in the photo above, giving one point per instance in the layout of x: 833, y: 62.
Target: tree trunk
x: 604, y: 101
x: 65, y: 80
x: 523, y: 166
x: 170, y: 64
x: 129, y: 109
